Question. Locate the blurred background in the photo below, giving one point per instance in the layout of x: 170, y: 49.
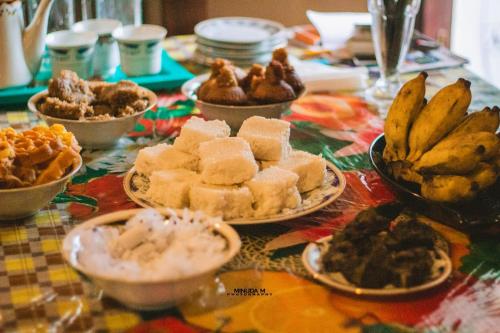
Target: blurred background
x: 470, y: 29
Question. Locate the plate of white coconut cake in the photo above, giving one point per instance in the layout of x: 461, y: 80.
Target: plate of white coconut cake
x: 254, y: 177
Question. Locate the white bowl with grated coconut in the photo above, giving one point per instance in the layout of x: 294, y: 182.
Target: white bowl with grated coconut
x: 150, y: 259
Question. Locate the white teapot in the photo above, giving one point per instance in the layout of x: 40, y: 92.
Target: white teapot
x: 21, y: 48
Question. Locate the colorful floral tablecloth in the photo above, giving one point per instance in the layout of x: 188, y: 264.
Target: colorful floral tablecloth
x: 265, y: 288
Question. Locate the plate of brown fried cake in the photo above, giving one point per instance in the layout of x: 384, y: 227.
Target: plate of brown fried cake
x: 384, y: 252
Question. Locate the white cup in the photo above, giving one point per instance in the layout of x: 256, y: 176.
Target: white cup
x: 72, y: 50
x: 140, y: 48
x: 106, y: 55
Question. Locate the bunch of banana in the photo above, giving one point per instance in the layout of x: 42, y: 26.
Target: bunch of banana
x: 451, y: 155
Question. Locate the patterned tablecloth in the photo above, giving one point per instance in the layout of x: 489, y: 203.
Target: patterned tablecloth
x: 40, y: 293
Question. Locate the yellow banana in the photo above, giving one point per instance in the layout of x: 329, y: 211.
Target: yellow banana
x: 403, y: 170
x: 486, y: 120
x: 402, y: 112
x: 459, y: 155
x: 484, y: 175
x: 448, y: 188
x: 495, y: 161
x: 442, y: 114
x: 488, y: 143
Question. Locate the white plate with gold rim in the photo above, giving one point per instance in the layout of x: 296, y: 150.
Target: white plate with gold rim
x: 136, y: 185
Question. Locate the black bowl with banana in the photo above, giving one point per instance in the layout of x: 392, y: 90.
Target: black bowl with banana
x: 438, y: 158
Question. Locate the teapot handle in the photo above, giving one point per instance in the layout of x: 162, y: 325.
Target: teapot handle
x: 34, y: 36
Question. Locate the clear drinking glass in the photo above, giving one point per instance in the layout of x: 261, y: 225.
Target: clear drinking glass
x: 392, y: 29
x: 125, y: 11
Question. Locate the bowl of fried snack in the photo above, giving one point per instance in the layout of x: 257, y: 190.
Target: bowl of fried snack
x: 97, y: 113
x: 35, y: 166
x: 229, y: 93
x: 438, y: 156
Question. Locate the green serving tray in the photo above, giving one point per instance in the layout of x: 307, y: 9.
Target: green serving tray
x: 172, y: 76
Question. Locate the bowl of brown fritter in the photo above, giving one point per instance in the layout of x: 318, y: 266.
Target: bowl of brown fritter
x: 35, y: 165
x: 229, y: 93
x: 98, y: 113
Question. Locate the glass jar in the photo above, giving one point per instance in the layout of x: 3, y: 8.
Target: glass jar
x: 125, y: 11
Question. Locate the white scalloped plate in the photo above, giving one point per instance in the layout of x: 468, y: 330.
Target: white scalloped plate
x: 136, y: 185
x: 238, y: 30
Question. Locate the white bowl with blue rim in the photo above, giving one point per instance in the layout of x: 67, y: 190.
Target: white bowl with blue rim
x: 106, y: 56
x: 73, y: 51
x: 140, y: 48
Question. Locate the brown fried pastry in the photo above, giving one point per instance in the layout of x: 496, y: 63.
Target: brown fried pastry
x: 98, y: 86
x: 219, y: 63
x: 57, y: 168
x: 121, y: 93
x: 11, y: 181
x: 123, y: 99
x: 6, y: 145
x: 26, y: 174
x: 256, y: 71
x: 55, y: 107
x: 70, y: 88
x: 7, y: 178
x: 72, y: 98
x: 119, y: 100
x: 291, y: 76
x: 125, y: 111
x: 101, y: 110
x: 226, y: 89
x: 205, y: 88
x: 216, y: 68
x: 273, y: 88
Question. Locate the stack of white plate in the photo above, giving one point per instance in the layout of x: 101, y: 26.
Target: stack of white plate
x: 242, y: 40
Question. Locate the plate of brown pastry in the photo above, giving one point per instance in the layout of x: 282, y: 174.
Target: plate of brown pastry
x: 383, y: 252
x: 98, y: 113
x: 232, y: 94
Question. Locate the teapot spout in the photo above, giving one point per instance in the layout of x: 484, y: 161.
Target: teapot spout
x: 34, y: 36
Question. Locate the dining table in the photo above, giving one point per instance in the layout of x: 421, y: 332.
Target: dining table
x: 265, y: 288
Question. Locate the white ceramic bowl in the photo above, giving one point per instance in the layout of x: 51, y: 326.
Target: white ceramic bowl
x: 94, y: 133
x: 140, y: 48
x: 146, y: 295
x: 72, y: 50
x: 106, y: 55
x: 102, y: 27
x: 22, y: 202
x: 233, y: 115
